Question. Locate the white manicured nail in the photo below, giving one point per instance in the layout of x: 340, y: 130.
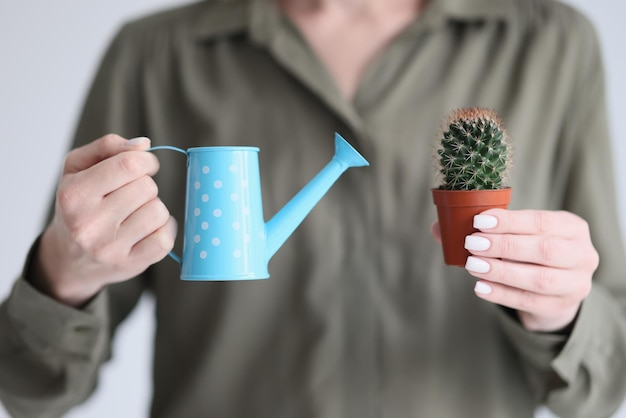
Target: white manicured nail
x: 476, y: 243
x: 136, y: 141
x: 482, y: 288
x: 485, y: 221
x: 477, y: 265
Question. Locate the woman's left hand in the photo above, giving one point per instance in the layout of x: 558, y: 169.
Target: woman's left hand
x: 538, y: 262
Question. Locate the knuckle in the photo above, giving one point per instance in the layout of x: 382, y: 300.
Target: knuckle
x: 593, y: 258
x: 163, y: 241
x: 70, y: 197
x: 128, y: 163
x: 544, y: 280
x: 565, y: 304
x: 579, y: 225
x: 110, y: 140
x: 527, y: 301
x: 541, y: 222
x: 152, y: 160
x: 584, y: 226
x: 148, y: 187
x: 69, y: 158
x: 160, y: 212
x: 507, y: 248
x: 547, y: 250
x: 82, y: 235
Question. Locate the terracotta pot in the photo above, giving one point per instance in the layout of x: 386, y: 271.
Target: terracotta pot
x: 456, y: 210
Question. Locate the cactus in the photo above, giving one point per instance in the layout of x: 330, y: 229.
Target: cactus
x: 474, y: 153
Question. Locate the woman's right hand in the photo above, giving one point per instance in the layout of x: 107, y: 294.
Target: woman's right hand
x: 109, y: 224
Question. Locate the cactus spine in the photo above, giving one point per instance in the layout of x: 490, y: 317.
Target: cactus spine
x: 474, y: 153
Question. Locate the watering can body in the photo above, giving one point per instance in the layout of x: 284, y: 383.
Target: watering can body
x: 224, y: 216
x: 225, y: 234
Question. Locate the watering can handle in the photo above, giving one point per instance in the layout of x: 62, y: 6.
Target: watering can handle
x: 172, y: 254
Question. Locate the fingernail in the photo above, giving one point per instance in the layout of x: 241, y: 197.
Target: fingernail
x: 477, y: 265
x: 136, y: 141
x: 485, y: 221
x: 475, y: 243
x: 482, y: 288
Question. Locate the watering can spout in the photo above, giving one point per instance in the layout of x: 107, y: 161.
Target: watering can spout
x: 285, y: 221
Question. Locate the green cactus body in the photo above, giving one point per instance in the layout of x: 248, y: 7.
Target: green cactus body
x: 474, y: 151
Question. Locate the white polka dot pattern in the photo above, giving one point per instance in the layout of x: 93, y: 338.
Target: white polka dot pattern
x: 224, y: 213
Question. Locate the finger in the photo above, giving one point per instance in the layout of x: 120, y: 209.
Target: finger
x: 117, y: 171
x: 518, y: 299
x: 88, y: 155
x: 538, y: 249
x: 143, y: 222
x: 529, y: 277
x: 530, y: 222
x: 121, y: 203
x: 156, y: 245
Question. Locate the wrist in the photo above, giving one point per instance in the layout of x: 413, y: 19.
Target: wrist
x: 46, y: 272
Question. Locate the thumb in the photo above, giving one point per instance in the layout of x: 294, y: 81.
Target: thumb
x: 436, y: 231
x: 88, y: 155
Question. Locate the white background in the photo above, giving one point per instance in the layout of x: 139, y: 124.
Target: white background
x: 48, y: 53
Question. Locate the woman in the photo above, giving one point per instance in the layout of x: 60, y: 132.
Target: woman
x: 361, y: 317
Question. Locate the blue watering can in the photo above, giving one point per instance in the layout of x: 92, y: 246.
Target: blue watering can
x: 225, y: 235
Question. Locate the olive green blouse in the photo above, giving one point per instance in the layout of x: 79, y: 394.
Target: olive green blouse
x: 360, y: 318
